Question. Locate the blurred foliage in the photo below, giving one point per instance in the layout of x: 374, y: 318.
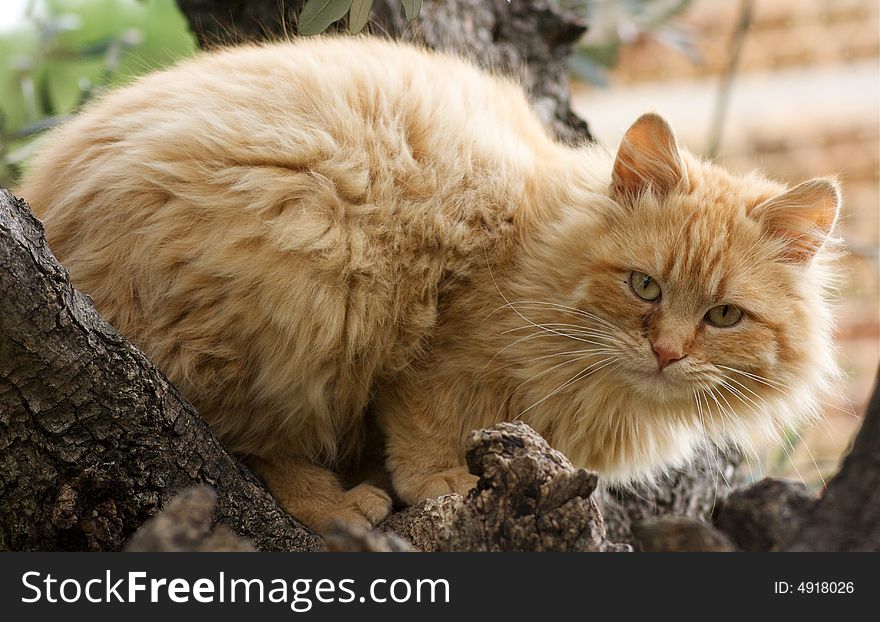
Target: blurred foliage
x: 618, y: 23
x: 317, y: 15
x: 65, y: 52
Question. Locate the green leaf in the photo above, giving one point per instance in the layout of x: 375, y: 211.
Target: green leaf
x: 412, y: 8
x: 605, y: 54
x: 44, y: 93
x: 359, y: 15
x: 317, y: 15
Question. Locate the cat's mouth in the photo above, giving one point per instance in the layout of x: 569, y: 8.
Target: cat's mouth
x: 672, y: 383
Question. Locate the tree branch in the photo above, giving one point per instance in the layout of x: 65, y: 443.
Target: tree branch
x: 847, y: 517
x: 94, y: 439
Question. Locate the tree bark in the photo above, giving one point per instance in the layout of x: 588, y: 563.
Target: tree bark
x: 763, y: 517
x: 93, y: 439
x: 847, y: 517
x: 187, y: 524
x: 529, y: 498
x: 694, y: 491
x: 679, y: 534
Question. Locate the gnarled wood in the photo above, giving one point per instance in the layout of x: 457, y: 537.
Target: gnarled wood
x: 94, y: 439
x: 847, y: 517
x: 529, y: 497
x: 763, y: 517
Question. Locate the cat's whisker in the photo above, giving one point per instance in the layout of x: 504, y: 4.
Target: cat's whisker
x: 534, y: 335
x: 730, y: 412
x: 743, y: 397
x: 784, y: 390
x: 806, y: 446
x: 758, y: 379
x: 588, y: 333
x: 542, y: 327
x: 506, y: 305
x: 485, y: 368
x: 729, y: 415
x: 580, y: 354
x: 765, y: 381
x: 578, y: 335
x: 706, y: 449
x: 570, y: 310
x: 535, y: 377
x: 755, y: 377
x: 501, y: 293
x: 735, y: 391
x: 542, y: 331
x: 576, y: 328
x: 749, y: 403
x: 566, y: 335
x: 787, y: 449
x: 580, y: 375
x: 710, y: 393
x: 559, y: 354
x: 826, y: 428
x: 743, y: 387
x: 586, y: 315
x: 735, y: 422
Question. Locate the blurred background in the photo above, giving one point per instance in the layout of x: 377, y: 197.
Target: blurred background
x: 788, y: 86
x: 57, y: 54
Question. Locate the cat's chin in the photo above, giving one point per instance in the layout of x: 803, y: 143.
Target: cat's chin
x: 662, y: 386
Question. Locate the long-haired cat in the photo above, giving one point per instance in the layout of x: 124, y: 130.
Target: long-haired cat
x: 297, y: 233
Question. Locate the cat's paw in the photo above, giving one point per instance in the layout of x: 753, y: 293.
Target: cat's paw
x: 364, y: 506
x: 457, y: 480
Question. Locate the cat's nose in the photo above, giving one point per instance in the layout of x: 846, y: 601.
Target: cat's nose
x: 666, y: 356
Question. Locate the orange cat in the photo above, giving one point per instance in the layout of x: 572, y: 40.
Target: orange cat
x: 297, y: 232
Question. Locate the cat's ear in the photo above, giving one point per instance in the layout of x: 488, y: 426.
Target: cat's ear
x: 804, y: 216
x: 648, y: 157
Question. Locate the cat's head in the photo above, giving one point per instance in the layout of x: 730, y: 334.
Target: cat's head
x: 700, y: 292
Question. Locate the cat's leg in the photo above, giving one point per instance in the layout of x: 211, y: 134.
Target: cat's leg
x: 424, y: 450
x: 426, y: 468
x: 425, y: 482
x: 315, y: 496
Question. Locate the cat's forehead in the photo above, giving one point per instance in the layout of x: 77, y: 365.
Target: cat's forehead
x: 705, y: 245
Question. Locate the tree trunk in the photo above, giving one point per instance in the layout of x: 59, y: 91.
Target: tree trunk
x: 847, y: 517
x: 93, y: 439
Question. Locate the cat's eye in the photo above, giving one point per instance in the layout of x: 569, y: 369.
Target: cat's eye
x: 723, y: 315
x: 644, y: 286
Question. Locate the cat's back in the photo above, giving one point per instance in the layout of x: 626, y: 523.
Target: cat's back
x: 353, y: 126
x: 359, y: 102
x: 313, y: 194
